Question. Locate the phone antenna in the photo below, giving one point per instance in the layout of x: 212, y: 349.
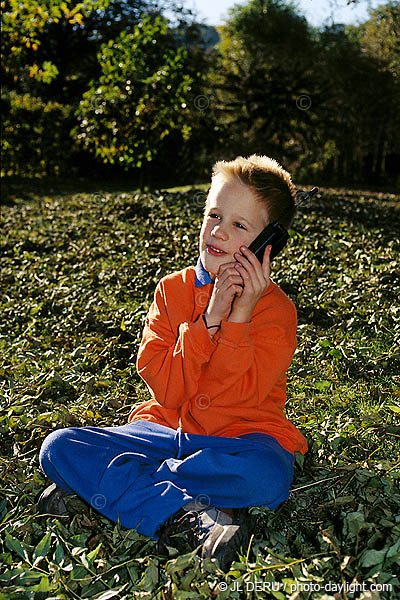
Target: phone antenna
x: 302, y: 196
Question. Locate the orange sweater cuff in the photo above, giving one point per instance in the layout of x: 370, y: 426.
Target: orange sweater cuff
x: 235, y: 334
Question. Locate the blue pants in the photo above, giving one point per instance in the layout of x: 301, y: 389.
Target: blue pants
x: 143, y: 472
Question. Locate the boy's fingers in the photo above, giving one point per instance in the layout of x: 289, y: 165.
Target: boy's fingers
x: 242, y: 270
x: 249, y: 263
x: 251, y: 257
x: 225, y: 266
x: 261, y: 271
x: 252, y: 269
x: 247, y: 259
x: 266, y: 265
x: 229, y: 272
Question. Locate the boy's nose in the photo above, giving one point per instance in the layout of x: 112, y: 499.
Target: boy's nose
x: 219, y: 232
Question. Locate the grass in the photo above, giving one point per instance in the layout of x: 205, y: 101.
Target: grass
x: 78, y: 273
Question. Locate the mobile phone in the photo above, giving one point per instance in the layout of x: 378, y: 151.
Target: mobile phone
x: 274, y: 234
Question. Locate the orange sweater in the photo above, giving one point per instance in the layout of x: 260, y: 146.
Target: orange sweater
x: 228, y: 386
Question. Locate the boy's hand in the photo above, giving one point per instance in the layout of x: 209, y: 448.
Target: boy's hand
x: 256, y: 278
x: 227, y: 284
x: 238, y: 287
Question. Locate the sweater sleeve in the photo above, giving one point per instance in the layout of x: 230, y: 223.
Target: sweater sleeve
x: 253, y: 363
x: 170, y: 362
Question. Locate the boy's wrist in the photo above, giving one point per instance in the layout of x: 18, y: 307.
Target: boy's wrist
x: 212, y: 320
x: 210, y: 325
x: 239, y: 317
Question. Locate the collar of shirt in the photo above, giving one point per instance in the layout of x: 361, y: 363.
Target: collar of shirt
x: 202, y: 276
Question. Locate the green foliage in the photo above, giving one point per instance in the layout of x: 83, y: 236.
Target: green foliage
x: 23, y: 23
x: 309, y: 97
x: 378, y: 39
x: 79, y: 272
x: 55, y: 70
x: 46, y: 126
x: 379, y: 35
x: 265, y: 64
x: 271, y: 29
x: 134, y: 89
x: 139, y: 98
x: 362, y: 123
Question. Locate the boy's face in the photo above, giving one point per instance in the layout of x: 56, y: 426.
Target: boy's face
x: 233, y: 218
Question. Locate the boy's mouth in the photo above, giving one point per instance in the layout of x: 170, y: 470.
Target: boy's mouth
x: 214, y: 251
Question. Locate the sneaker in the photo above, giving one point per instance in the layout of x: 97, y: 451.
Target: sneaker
x: 190, y: 526
x: 224, y: 541
x: 56, y: 501
x: 51, y: 500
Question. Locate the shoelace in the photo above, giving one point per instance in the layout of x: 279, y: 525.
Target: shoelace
x: 189, y: 526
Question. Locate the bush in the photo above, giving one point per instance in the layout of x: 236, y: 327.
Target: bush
x: 36, y: 137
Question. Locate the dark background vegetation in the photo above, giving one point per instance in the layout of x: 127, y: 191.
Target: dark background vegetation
x: 114, y: 89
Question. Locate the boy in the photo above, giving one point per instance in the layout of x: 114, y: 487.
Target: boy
x: 217, y: 343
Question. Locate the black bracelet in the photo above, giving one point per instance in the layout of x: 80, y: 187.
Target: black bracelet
x: 211, y: 326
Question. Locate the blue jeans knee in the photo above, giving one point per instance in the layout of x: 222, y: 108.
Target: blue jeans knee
x: 50, y: 455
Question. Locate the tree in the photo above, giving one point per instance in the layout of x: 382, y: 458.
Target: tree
x: 139, y: 97
x: 22, y: 25
x: 56, y: 42
x: 324, y: 100
x: 265, y: 66
x: 379, y: 40
x: 52, y: 53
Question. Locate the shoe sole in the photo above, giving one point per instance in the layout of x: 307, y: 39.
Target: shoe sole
x: 50, y: 501
x: 221, y: 544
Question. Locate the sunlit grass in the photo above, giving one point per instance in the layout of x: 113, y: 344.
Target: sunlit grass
x: 78, y: 274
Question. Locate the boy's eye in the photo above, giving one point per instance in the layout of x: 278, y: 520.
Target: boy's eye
x: 214, y: 215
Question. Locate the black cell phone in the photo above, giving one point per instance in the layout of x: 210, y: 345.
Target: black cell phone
x: 274, y: 234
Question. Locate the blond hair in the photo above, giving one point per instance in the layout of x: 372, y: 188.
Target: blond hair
x: 271, y: 184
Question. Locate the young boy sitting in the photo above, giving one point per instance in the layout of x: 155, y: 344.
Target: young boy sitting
x: 217, y: 342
